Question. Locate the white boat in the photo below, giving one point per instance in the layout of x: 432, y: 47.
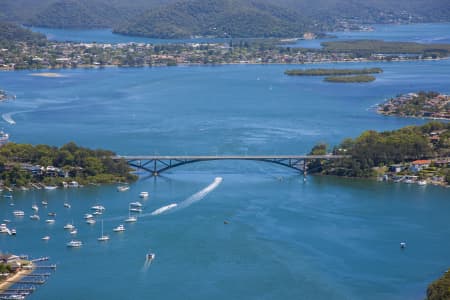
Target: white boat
x: 52, y: 214
x: 97, y: 213
x: 50, y: 187
x: 67, y: 205
x: 35, y: 207
x: 98, y: 208
x: 13, y: 297
x: 6, y: 220
x: 45, y: 203
x: 4, y: 137
x: 103, y: 238
x: 50, y: 221
x: 136, y: 204
x: 123, y: 188
x: 150, y: 256
x: 34, y: 217
x: 45, y: 238
x: 90, y: 221
x: 74, y: 244
x: 13, y: 231
x: 69, y: 226
x: 135, y: 209
x: 119, y: 228
x: 4, y: 228
x: 18, y: 213
x: 143, y: 194
x: 422, y: 182
x: 74, y: 231
x: 88, y: 216
x: 131, y: 219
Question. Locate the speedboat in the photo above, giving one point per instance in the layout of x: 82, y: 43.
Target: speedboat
x: 69, y: 226
x: 74, y: 244
x: 45, y: 203
x: 50, y: 221
x: 143, y: 194
x: 123, y: 188
x: 135, y: 209
x: 45, y: 238
x: 18, y: 213
x: 90, y: 221
x: 88, y: 216
x: 34, y: 217
x: 119, y: 228
x: 34, y: 207
x: 74, y: 231
x: 136, y: 204
x: 150, y: 256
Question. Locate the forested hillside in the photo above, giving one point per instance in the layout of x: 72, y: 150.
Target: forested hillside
x: 241, y: 18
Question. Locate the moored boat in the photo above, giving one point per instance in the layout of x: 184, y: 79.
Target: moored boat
x: 34, y: 217
x: 45, y: 238
x: 18, y: 213
x: 143, y: 194
x: 123, y: 188
x: 119, y: 228
x: 74, y: 244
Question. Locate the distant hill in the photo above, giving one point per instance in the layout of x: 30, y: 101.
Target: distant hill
x: 220, y: 18
x: 240, y: 18
x: 10, y: 32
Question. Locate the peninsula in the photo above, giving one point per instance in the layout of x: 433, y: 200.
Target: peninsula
x: 24, y: 166
x: 413, y: 154
x: 332, y: 72
x: 431, y: 105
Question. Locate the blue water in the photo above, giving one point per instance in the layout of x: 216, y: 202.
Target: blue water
x: 326, y: 238
x: 107, y: 36
x: 428, y: 33
x: 420, y: 33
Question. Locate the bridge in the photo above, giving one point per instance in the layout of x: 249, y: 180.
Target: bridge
x: 157, y: 164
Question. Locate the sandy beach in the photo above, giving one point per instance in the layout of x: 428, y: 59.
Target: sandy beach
x: 4, y: 285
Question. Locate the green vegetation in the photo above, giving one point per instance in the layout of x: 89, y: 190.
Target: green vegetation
x: 329, y: 72
x: 350, y: 79
x: 5, y: 268
x: 218, y: 18
x: 373, y: 149
x: 10, y: 33
x: 364, y: 48
x: 21, y: 164
x: 440, y: 289
x: 422, y: 104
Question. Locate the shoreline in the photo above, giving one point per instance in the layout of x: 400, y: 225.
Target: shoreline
x: 11, y: 280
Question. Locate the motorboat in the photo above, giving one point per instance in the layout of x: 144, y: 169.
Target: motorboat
x: 143, y: 194
x: 4, y: 228
x: 18, y: 213
x: 6, y: 220
x: 13, y: 297
x: 45, y: 203
x: 131, y: 219
x: 74, y: 244
x: 13, y: 232
x: 150, y: 256
x: 50, y: 187
x: 90, y: 221
x: 422, y: 182
x: 45, y: 238
x: 119, y: 228
x: 98, y: 208
x: 50, y: 221
x: 67, y: 205
x: 69, y: 226
x: 103, y: 238
x: 135, y: 209
x: 35, y: 207
x: 97, y: 213
x: 88, y: 216
x: 74, y: 231
x: 51, y: 214
x: 123, y: 188
x: 34, y: 217
x: 136, y: 204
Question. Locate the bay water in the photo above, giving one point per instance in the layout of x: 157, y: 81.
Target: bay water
x: 262, y: 233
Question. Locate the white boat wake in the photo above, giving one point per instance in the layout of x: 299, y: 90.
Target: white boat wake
x: 201, y: 194
x: 8, y: 118
x: 163, y: 209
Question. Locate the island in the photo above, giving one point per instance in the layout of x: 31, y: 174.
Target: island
x: 440, y: 289
x: 422, y: 104
x: 25, y: 166
x: 413, y: 154
x: 332, y: 72
x: 350, y: 79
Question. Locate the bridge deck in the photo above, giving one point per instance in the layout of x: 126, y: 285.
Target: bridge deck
x: 219, y: 157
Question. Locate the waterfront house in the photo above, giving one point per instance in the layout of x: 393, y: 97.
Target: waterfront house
x: 396, y: 168
x: 9, y: 258
x: 418, y: 165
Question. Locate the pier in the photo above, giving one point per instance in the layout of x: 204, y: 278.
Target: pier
x: 157, y: 164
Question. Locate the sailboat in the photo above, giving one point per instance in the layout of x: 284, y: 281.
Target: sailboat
x: 103, y: 238
x: 130, y: 218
